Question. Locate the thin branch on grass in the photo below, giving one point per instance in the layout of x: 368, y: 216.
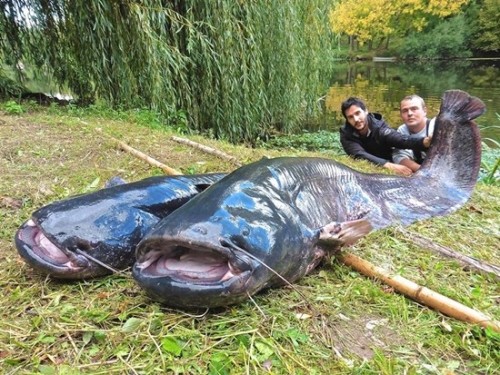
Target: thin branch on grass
x: 97, y: 364
x: 257, y: 306
x: 77, y: 352
x: 196, y: 316
x: 465, y: 260
x: 158, y: 348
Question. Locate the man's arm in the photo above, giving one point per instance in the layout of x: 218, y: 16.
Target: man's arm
x: 394, y: 139
x: 353, y: 147
x: 405, y: 157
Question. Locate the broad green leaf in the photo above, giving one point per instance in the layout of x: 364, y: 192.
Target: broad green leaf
x: 131, y: 325
x: 172, y: 346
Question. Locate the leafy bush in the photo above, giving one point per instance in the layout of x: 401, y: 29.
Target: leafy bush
x: 490, y: 161
x: 318, y: 141
x: 13, y: 107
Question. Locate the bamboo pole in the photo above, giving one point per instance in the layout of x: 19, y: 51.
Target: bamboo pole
x: 207, y: 149
x: 141, y: 155
x: 147, y: 158
x: 420, y: 293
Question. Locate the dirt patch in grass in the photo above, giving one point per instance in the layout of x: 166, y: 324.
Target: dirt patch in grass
x: 361, y: 335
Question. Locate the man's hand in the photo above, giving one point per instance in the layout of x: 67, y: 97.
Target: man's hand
x: 398, y: 168
x: 427, y: 142
x: 413, y: 165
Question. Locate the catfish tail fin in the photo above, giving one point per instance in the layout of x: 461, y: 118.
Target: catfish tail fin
x: 454, y: 158
x: 460, y: 106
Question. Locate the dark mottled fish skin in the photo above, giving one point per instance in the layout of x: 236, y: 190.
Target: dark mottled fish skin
x: 106, y: 225
x: 287, y: 212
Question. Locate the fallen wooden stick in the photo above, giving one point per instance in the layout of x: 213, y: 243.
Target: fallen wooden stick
x: 465, y: 260
x: 208, y: 150
x: 420, y: 293
x: 141, y: 155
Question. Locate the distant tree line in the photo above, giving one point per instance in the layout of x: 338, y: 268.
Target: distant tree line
x: 423, y: 28
x: 237, y: 69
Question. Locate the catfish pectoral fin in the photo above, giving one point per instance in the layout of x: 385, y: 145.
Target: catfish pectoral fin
x: 345, y: 233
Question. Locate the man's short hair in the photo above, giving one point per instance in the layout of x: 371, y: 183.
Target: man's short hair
x: 346, y: 104
x: 413, y: 97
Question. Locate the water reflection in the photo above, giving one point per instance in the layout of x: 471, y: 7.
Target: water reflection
x: 384, y: 84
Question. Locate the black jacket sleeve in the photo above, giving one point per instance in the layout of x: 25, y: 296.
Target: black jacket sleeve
x: 353, y: 147
x: 392, y: 138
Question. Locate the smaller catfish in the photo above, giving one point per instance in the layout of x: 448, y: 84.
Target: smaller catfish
x: 271, y: 222
x: 95, y: 234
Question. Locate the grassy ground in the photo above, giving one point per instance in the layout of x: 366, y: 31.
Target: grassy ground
x: 349, y: 324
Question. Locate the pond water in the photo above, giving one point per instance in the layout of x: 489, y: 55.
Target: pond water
x: 383, y: 84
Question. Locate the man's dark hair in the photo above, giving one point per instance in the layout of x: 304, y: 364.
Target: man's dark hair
x: 350, y: 102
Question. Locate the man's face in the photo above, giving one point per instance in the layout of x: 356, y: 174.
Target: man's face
x: 356, y: 117
x: 413, y: 114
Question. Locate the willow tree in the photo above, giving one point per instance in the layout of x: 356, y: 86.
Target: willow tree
x: 237, y: 68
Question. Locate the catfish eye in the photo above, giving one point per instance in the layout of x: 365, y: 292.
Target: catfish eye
x: 245, y: 231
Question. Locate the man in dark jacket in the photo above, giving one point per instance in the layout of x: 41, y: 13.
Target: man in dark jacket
x: 366, y: 136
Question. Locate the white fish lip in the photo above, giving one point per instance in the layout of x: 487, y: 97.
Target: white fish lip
x: 43, y: 253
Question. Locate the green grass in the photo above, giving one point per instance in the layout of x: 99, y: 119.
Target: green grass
x: 347, y: 323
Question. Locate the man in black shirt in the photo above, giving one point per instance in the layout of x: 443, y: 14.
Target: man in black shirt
x: 366, y: 136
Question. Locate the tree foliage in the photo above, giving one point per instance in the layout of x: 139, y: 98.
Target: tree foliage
x: 447, y: 40
x: 365, y: 19
x: 238, y: 69
x: 368, y: 20
x: 487, y: 31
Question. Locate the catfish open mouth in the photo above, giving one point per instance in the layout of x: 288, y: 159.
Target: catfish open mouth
x: 193, y: 263
x: 42, y: 253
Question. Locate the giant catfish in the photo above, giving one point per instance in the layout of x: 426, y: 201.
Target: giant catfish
x: 94, y: 234
x: 275, y: 219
